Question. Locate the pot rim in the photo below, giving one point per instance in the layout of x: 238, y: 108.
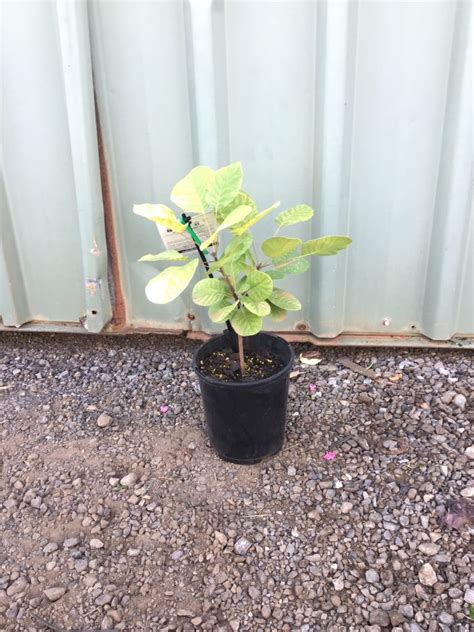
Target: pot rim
x: 266, y: 380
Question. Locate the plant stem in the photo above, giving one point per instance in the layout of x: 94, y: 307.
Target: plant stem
x: 241, y: 354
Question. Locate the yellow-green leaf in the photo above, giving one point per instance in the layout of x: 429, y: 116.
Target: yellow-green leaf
x: 225, y: 185
x: 241, y: 199
x: 160, y: 214
x: 262, y: 308
x: 222, y: 311
x: 167, y: 255
x: 190, y: 192
x: 294, y: 215
x: 169, y: 284
x: 210, y: 291
x: 258, y: 285
x: 325, y: 246
x: 245, y: 323
x: 242, y: 228
x: 280, y: 246
x: 277, y: 313
x: 234, y: 217
x: 285, y: 300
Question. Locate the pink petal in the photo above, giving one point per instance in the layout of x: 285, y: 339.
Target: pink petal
x: 164, y: 409
x: 329, y: 456
x: 312, y: 387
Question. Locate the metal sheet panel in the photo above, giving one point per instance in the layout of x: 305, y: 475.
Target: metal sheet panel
x: 53, y: 259
x: 362, y: 109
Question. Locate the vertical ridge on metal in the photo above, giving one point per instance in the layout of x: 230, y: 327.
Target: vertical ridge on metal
x: 452, y: 223
x: 73, y: 36
x: 14, y: 306
x: 336, y: 30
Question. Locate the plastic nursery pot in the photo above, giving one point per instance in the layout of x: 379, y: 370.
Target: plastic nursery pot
x: 246, y: 420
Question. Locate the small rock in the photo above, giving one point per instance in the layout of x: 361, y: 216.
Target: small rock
x: 372, y: 576
x: 50, y: 547
x: 182, y: 612
x: 266, y: 611
x: 95, y: 543
x: 10, y: 503
x: 469, y: 452
x: 235, y: 625
x: 467, y: 492
x: 196, y: 621
x: 36, y: 502
x: 407, y: 610
x: 81, y: 565
x: 176, y: 555
x: 460, y: 401
x: 242, y: 546
x: 346, y: 507
x: 17, y: 586
x: 446, y: 618
x: 254, y: 593
x: 396, y: 618
x: 54, y: 593
x: 468, y: 595
x: 70, y: 543
x: 129, y: 480
x: 379, y: 617
x: 291, y: 471
x: 427, y: 575
x: 113, y: 480
x: 390, y: 444
x: 448, y: 397
x: 220, y: 537
x: 135, y: 553
x: 429, y: 548
x: 338, y: 583
x: 103, y: 599
x: 107, y: 623
x: 104, y: 421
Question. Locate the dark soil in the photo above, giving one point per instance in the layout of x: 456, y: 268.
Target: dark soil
x: 224, y: 365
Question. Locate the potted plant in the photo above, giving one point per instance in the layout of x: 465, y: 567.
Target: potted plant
x: 243, y: 373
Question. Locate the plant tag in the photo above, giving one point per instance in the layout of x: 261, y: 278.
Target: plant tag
x: 203, y: 225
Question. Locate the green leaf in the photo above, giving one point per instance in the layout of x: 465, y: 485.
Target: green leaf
x: 242, y: 228
x: 238, y: 246
x: 225, y: 185
x: 279, y: 246
x: 235, y: 266
x: 245, y: 323
x: 241, y: 199
x: 261, y: 308
x: 234, y: 217
x: 276, y: 274
x: 277, y: 313
x: 294, y: 215
x: 258, y: 285
x: 160, y: 214
x: 167, y: 255
x: 169, y: 284
x: 285, y: 300
x: 325, y: 246
x: 190, y: 192
x: 294, y: 266
x: 222, y: 311
x: 210, y: 291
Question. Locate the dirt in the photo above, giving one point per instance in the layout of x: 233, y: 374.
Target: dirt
x: 225, y: 366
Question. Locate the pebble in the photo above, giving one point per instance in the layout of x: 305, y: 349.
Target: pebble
x: 429, y: 548
x: 95, y: 543
x: 17, y: 586
x: 104, y: 420
x: 70, y: 543
x: 372, y: 576
x: 129, y: 480
x: 469, y: 452
x: 54, y: 593
x: 468, y: 492
x: 338, y: 583
x: 50, y: 547
x: 468, y: 596
x: 242, y: 546
x: 266, y: 611
x: 346, y: 507
x: 427, y: 575
x: 379, y: 617
x: 460, y: 401
x: 291, y: 471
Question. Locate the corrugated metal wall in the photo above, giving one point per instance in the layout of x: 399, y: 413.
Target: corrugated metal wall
x: 362, y: 109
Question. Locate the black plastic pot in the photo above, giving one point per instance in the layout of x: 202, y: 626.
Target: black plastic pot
x: 246, y: 420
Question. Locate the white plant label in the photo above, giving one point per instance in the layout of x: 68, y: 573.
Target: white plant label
x: 203, y: 225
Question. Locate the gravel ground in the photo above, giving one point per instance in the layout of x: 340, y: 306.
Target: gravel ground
x: 117, y: 515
